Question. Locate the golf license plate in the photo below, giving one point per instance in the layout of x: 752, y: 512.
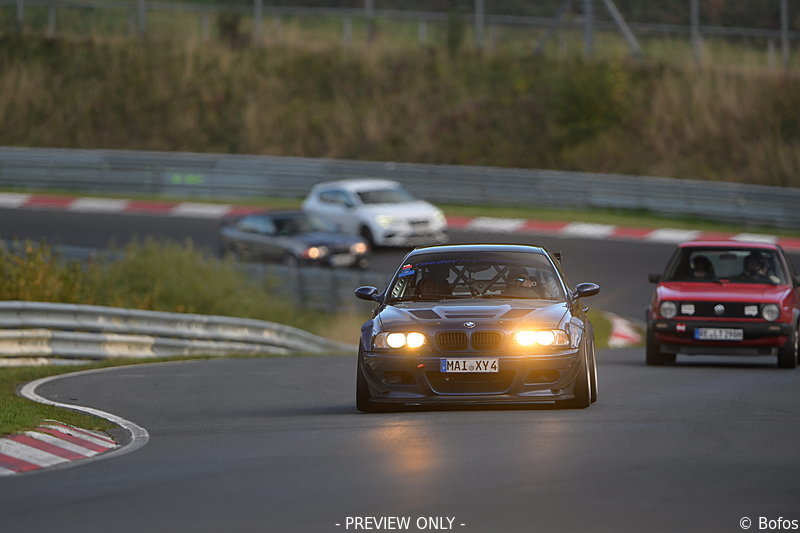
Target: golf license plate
x: 342, y: 260
x: 718, y: 334
x: 469, y: 365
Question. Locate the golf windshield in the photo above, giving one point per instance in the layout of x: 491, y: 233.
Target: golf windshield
x: 480, y: 275
x: 734, y: 265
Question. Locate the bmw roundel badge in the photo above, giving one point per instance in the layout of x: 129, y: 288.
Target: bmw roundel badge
x: 469, y: 324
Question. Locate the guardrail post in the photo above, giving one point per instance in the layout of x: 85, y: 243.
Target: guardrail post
x: 480, y: 22
x: 258, y: 19
x: 369, y: 13
x: 142, y: 10
x: 422, y: 32
x: 20, y: 14
x: 347, y: 31
x: 785, y: 33
x: 588, y: 29
x: 51, y: 21
x: 697, y: 40
x: 204, y: 27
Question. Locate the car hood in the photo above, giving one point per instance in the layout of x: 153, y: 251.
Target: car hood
x: 502, y: 314
x: 722, y: 292
x: 409, y: 210
x: 323, y: 238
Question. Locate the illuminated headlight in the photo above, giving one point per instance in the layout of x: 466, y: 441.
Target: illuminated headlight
x: 770, y: 312
x: 358, y: 248
x: 315, y: 252
x: 543, y: 337
x: 668, y: 309
x: 440, y: 218
x: 385, y: 221
x: 399, y: 340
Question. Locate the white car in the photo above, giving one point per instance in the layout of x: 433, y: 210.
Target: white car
x: 380, y: 211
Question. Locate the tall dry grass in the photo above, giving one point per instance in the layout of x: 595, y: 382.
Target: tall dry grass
x: 401, y: 104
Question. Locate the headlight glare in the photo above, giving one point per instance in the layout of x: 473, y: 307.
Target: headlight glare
x: 399, y: 340
x: 315, y: 252
x: 385, y: 221
x: 358, y: 248
x: 668, y: 309
x: 770, y: 312
x: 544, y: 337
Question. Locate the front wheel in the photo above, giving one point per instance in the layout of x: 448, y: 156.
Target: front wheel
x: 364, y: 401
x: 787, y: 355
x: 653, y: 354
x: 583, y: 388
x: 367, y: 235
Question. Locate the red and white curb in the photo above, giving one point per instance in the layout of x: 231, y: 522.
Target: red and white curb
x: 57, y: 445
x: 487, y: 224
x: 623, y: 332
x: 50, y: 444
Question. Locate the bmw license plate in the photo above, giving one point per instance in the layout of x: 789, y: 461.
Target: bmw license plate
x: 469, y: 365
x: 718, y: 334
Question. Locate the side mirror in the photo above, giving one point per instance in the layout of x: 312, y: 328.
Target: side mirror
x: 654, y: 278
x: 367, y: 293
x: 584, y: 290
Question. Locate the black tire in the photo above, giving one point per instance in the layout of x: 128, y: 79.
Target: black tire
x: 653, y: 354
x: 366, y: 234
x: 787, y: 355
x: 583, y: 388
x: 593, y: 369
x: 364, y: 401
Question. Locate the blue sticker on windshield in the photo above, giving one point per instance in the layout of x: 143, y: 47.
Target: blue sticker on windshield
x: 408, y: 272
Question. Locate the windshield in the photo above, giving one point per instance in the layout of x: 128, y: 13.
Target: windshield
x: 394, y: 195
x: 735, y: 265
x: 301, y: 223
x: 480, y: 275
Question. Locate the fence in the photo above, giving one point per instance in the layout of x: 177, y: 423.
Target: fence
x: 239, y: 176
x: 37, y: 329
x: 587, y: 20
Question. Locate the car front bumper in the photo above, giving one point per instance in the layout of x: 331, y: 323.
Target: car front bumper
x: 408, y: 379
x: 760, y: 338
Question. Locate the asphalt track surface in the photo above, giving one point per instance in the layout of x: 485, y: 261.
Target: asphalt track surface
x: 276, y: 444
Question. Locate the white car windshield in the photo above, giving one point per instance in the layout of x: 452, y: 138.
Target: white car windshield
x: 394, y: 195
x: 495, y: 275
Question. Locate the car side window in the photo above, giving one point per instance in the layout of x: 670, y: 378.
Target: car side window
x: 260, y: 225
x: 336, y: 196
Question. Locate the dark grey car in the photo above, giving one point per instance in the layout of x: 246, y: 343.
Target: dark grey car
x: 477, y: 324
x: 291, y: 237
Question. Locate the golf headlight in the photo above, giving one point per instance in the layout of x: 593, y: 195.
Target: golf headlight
x: 668, y: 309
x: 385, y: 221
x: 399, y: 340
x: 440, y: 218
x: 358, y: 248
x: 542, y: 337
x: 315, y: 252
x: 770, y: 312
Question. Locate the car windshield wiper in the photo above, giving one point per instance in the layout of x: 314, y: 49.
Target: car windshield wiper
x: 428, y: 298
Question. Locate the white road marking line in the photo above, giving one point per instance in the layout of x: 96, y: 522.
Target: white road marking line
x: 671, y: 235
x: 499, y: 225
x: 29, y: 454
x: 94, y: 440
x: 594, y: 231
x: 98, y: 205
x: 61, y: 443
x: 755, y: 237
x: 10, y: 199
x: 189, y: 209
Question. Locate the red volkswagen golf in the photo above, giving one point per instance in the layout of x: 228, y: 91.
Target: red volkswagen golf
x: 725, y: 298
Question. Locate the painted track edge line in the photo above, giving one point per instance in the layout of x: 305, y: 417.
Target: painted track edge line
x: 139, y: 436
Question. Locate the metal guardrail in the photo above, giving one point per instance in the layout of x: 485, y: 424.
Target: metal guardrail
x: 244, y: 176
x: 38, y: 329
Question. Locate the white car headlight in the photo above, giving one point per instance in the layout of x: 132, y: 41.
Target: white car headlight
x: 399, y: 340
x: 385, y: 221
x: 542, y: 337
x: 771, y: 312
x: 668, y: 309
